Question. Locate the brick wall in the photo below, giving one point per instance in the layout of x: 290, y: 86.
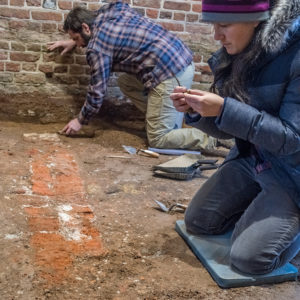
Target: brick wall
x: 37, y: 85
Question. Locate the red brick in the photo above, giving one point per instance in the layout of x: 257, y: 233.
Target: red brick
x: 152, y: 13
x: 16, y: 2
x: 20, y: 56
x: 53, y: 257
x: 14, y: 13
x: 65, y: 5
x: 46, y: 68
x: 179, y: 17
x: 34, y: 2
x: 197, y: 8
x: 177, y: 5
x: 40, y: 212
x: 43, y: 15
x: 3, y: 2
x: 172, y: 26
x: 147, y: 3
x: 1, y: 66
x: 12, y: 67
x: 43, y: 224
x: 55, y: 252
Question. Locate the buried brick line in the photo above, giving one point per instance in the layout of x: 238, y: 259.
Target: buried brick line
x: 59, y: 218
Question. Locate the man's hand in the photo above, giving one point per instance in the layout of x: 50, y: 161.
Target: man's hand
x: 72, y: 127
x: 66, y: 45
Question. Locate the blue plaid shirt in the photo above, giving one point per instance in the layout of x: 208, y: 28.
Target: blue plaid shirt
x: 124, y: 41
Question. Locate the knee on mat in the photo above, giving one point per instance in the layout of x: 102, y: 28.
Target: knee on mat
x: 251, y: 263
x: 203, y: 222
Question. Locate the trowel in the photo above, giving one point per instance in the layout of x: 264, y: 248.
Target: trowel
x: 132, y: 150
x: 177, y: 206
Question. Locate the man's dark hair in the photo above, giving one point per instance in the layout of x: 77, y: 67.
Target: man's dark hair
x: 76, y: 17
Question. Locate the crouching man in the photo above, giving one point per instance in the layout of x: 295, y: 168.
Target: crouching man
x: 154, y: 62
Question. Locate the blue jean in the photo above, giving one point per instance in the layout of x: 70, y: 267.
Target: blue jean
x: 163, y: 122
x: 265, y: 218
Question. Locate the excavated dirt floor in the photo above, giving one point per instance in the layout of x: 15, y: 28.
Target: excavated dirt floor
x: 78, y: 221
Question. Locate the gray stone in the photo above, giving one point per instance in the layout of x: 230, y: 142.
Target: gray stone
x: 50, y: 4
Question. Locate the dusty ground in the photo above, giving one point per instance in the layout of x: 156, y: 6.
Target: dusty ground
x: 80, y: 223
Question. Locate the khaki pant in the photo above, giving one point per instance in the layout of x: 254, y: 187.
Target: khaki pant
x: 163, y: 122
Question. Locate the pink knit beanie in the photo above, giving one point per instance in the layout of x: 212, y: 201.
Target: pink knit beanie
x: 216, y: 11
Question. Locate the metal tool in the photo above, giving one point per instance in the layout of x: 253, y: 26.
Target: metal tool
x: 132, y: 150
x: 177, y: 206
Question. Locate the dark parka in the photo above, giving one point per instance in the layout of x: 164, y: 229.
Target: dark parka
x: 272, y: 120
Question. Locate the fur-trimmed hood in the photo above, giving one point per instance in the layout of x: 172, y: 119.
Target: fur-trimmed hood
x: 283, y: 24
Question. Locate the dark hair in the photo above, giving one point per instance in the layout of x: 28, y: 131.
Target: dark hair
x: 235, y: 71
x: 76, y: 17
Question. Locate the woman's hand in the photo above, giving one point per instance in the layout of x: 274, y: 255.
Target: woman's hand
x: 205, y: 103
x: 178, y: 97
x: 66, y: 45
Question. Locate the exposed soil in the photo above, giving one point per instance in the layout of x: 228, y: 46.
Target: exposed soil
x: 130, y: 249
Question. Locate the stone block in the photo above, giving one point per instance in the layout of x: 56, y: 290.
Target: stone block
x: 30, y: 78
x: 6, y: 77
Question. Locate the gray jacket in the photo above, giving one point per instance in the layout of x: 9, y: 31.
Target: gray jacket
x: 272, y: 121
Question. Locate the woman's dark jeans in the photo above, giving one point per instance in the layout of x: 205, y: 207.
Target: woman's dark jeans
x: 266, y: 220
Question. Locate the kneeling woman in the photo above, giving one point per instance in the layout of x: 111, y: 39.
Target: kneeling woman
x: 255, y: 98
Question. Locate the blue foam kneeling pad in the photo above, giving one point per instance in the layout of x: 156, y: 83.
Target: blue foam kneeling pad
x: 213, y: 252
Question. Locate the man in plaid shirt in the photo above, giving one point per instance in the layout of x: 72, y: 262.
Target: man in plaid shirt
x: 154, y: 61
